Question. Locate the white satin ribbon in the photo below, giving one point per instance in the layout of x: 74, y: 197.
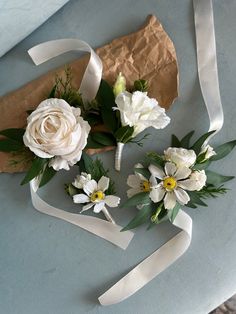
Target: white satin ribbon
x: 103, y: 229
x: 153, y: 265
x: 175, y: 248
x: 207, y: 63
x: 93, y: 73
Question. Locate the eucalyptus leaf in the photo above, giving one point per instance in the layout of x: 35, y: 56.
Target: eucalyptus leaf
x: 198, y: 144
x: 202, y: 166
x: 47, y: 175
x: 154, y: 158
x: 138, y: 199
x: 185, y: 142
x: 223, y: 150
x: 9, y: 145
x: 216, y: 178
x: 14, y: 134
x: 92, y: 144
x: 36, y: 168
x: 142, y: 216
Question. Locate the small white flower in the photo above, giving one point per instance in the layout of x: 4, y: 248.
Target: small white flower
x: 139, y: 183
x: 140, y: 111
x: 81, y: 180
x: 56, y: 130
x: 172, y: 186
x: 180, y: 156
x: 95, y: 196
x: 208, y: 151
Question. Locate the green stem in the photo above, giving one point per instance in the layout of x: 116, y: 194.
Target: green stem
x: 154, y: 217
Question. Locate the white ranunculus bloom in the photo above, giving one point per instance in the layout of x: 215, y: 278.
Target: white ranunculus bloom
x: 174, y: 181
x: 140, y: 111
x: 95, y: 196
x: 180, y: 156
x: 81, y: 180
x: 56, y: 130
x: 208, y: 151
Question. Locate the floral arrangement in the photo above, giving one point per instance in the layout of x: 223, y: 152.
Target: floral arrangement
x: 58, y: 130
x: 93, y: 187
x: 179, y: 177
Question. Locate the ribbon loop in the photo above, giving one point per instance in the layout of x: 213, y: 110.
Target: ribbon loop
x: 92, y: 76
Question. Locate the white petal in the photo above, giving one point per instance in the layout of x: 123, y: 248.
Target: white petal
x: 156, y: 172
x: 103, y: 183
x: 182, y: 173
x: 98, y: 207
x: 90, y: 187
x: 81, y: 198
x: 153, y: 181
x: 112, y: 200
x: 170, y: 169
x: 86, y: 207
x: 134, y: 180
x: 182, y: 196
x: 133, y: 191
x: 170, y: 200
x: 196, y: 181
x: 157, y: 193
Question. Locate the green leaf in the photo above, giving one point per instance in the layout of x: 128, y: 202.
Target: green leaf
x: 124, y: 133
x: 175, y: 142
x: 52, y: 92
x: 195, y: 198
x: 202, y: 166
x: 191, y: 205
x: 216, y: 178
x: 198, y: 144
x: 174, y: 212
x: 185, y: 142
x: 154, y: 158
x: 142, y: 216
x: 47, y: 175
x: 14, y: 134
x: 223, y: 150
x: 103, y: 138
x: 145, y: 172
x: 10, y: 145
x: 137, y: 199
x: 106, y: 99
x: 88, y: 163
x: 36, y: 168
x: 92, y: 144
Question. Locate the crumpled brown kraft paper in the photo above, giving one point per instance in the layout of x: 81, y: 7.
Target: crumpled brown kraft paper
x: 148, y: 54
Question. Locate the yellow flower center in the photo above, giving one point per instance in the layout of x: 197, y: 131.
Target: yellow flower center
x: 145, y: 186
x: 169, y: 183
x: 97, y: 196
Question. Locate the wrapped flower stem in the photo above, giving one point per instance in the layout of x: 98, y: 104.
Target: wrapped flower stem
x: 118, y: 156
x: 108, y: 215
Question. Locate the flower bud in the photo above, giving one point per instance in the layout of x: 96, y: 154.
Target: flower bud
x: 120, y: 85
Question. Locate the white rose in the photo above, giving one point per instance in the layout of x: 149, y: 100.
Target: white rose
x: 56, y: 130
x: 208, y: 151
x: 180, y: 156
x: 81, y: 180
x: 140, y: 111
x: 195, y: 182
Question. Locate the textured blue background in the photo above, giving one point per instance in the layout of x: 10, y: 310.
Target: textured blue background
x: 52, y: 267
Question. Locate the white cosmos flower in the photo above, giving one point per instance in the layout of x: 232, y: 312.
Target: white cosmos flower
x: 81, y: 180
x: 180, y: 156
x: 56, y: 130
x: 140, y: 111
x: 95, y: 196
x: 139, y: 183
x: 172, y: 186
x: 208, y: 151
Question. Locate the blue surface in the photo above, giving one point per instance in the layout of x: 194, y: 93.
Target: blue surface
x: 52, y: 267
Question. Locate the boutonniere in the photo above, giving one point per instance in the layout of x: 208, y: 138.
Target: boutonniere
x: 126, y: 114
x: 179, y: 177
x: 92, y: 188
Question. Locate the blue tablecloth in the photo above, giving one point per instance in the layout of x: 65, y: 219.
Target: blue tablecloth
x: 52, y: 267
